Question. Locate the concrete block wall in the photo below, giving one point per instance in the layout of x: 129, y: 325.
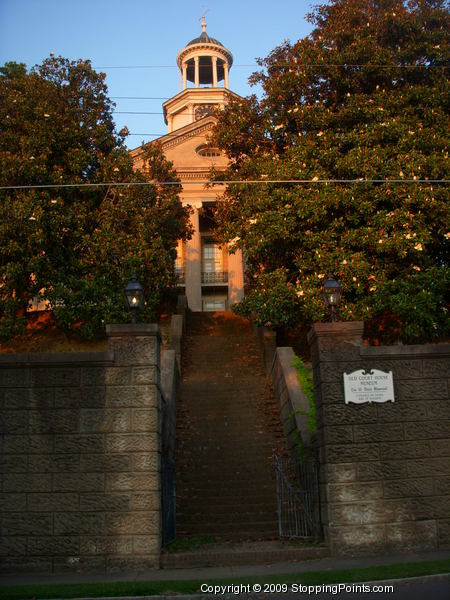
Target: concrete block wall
x: 80, y: 457
x: 385, y: 468
x: 292, y: 401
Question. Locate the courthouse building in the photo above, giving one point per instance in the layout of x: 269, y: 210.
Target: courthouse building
x: 212, y: 278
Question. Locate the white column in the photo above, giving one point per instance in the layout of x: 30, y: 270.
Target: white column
x: 225, y: 72
x: 193, y: 269
x: 197, y: 78
x: 184, y: 67
x: 235, y: 278
x: 214, y: 70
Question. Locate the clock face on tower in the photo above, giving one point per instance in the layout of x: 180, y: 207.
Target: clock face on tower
x: 203, y: 110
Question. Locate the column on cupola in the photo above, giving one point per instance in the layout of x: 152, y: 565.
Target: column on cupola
x: 197, y: 75
x: 214, y: 70
x: 225, y: 73
x: 184, y: 69
x: 193, y: 267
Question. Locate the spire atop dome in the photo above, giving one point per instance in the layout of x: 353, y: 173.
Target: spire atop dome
x: 204, y: 61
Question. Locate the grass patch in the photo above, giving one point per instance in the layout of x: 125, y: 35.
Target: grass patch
x: 183, y: 544
x: 151, y: 588
x: 305, y: 379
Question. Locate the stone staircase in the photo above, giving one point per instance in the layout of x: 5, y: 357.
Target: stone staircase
x: 228, y: 428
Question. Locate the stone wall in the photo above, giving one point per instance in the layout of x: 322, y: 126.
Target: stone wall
x: 80, y: 457
x: 385, y: 468
x: 292, y: 401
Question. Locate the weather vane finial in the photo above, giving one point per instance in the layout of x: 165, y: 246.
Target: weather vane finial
x: 203, y: 19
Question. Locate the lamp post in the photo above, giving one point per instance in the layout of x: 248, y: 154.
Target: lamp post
x: 332, y: 292
x: 134, y: 295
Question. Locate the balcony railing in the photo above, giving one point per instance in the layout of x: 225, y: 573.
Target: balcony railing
x: 215, y: 277
x: 180, y: 275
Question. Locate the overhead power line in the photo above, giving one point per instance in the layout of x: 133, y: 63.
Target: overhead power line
x: 222, y: 182
x: 167, y: 134
x: 282, y: 65
x: 173, y: 66
x: 139, y: 97
x: 137, y: 112
x: 145, y: 112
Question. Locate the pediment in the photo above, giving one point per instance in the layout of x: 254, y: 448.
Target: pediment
x: 180, y: 136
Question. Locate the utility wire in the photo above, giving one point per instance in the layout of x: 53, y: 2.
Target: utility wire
x: 161, y: 66
x: 223, y: 182
x: 145, y: 112
x: 137, y: 112
x: 138, y: 97
x: 282, y: 65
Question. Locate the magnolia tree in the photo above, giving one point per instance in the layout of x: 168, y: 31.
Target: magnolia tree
x: 363, y: 98
x: 75, y: 248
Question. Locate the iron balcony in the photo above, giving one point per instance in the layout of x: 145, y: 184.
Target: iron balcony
x: 215, y: 277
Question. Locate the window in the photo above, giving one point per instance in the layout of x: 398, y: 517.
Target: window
x: 213, y: 304
x: 207, y: 151
x: 212, y: 258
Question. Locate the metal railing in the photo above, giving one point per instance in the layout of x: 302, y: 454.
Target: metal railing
x: 215, y: 277
x: 179, y: 272
x: 168, y: 501
x: 298, y: 507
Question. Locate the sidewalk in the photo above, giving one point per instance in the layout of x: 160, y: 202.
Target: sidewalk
x: 207, y: 574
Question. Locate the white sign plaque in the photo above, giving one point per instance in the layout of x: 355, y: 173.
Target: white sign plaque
x: 368, y: 386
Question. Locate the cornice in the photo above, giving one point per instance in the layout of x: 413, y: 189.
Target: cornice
x: 198, y: 95
x: 180, y: 139
x: 179, y: 136
x: 191, y: 49
x: 186, y: 175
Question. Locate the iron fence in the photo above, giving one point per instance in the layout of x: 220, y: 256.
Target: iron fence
x: 168, y: 501
x: 298, y: 499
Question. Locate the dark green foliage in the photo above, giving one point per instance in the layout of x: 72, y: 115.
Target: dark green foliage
x: 365, y: 96
x: 306, y: 382
x: 76, y: 248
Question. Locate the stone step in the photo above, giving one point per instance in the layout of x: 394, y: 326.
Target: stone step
x: 223, y: 469
x: 236, y: 519
x: 262, y: 528
x: 190, y: 497
x: 224, y: 479
x: 226, y: 433
x: 243, y: 553
x: 187, y: 507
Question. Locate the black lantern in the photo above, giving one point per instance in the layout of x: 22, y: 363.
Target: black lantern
x: 332, y: 292
x: 134, y: 294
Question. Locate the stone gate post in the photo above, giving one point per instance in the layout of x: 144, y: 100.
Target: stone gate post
x: 331, y: 344
x: 138, y: 348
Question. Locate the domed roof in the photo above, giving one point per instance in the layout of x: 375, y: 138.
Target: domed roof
x: 204, y: 38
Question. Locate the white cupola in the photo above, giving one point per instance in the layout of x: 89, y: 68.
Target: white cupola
x: 204, y: 61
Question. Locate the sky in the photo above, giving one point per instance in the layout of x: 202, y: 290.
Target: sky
x: 136, y: 43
